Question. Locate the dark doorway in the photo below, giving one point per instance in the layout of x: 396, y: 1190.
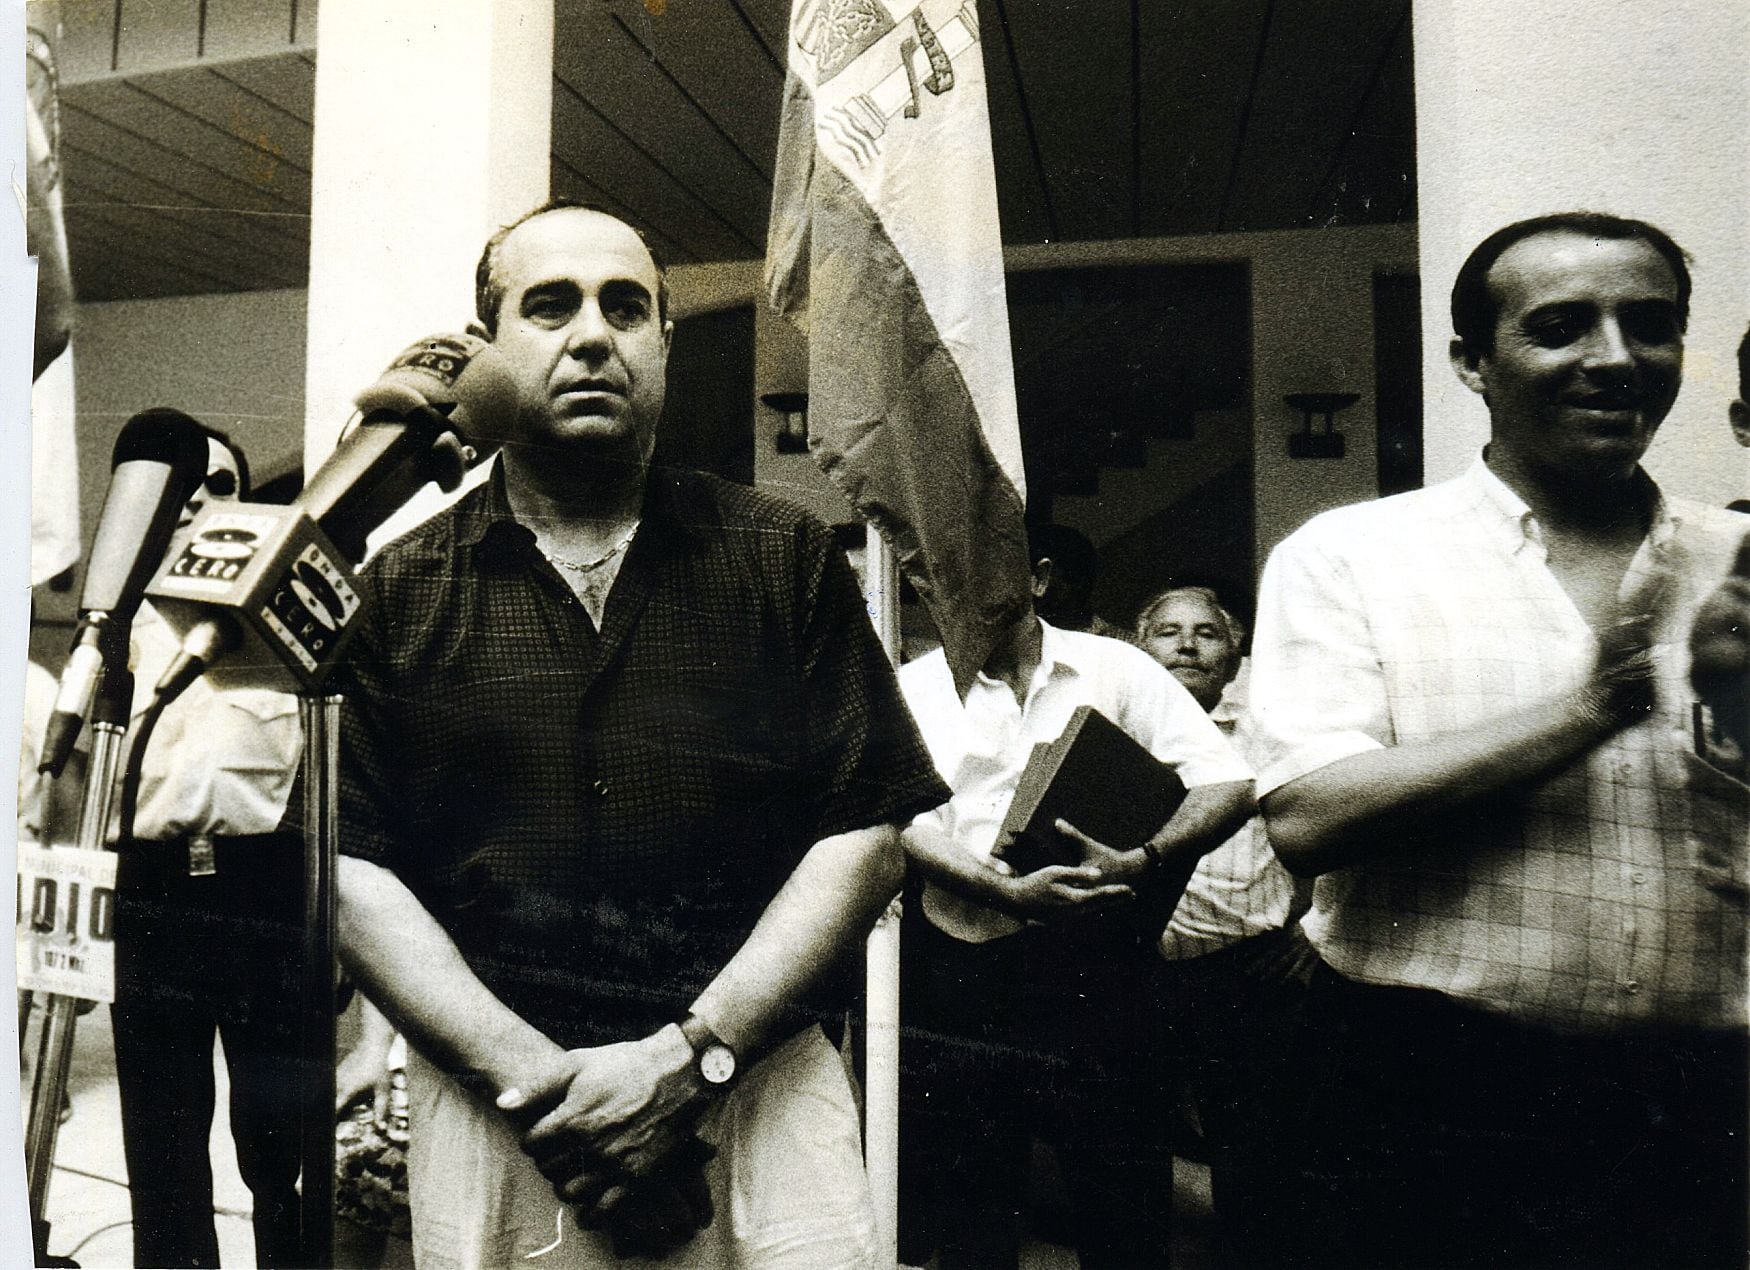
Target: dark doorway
x: 1108, y: 358
x: 707, y: 421
x: 1397, y: 361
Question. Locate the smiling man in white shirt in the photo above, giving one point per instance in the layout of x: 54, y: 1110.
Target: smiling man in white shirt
x: 1477, y: 720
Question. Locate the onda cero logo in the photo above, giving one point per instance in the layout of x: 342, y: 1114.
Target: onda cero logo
x: 219, y: 553
x: 318, y: 596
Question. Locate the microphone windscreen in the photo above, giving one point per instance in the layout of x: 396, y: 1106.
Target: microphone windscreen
x: 462, y: 377
x: 486, y: 396
x: 160, y: 460
x: 163, y: 435
x: 427, y: 370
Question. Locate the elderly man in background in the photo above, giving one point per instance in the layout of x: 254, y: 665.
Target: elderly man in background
x: 1234, y: 963
x: 1478, y: 729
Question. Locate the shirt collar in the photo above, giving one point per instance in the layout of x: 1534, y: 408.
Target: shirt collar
x: 1518, y: 526
x: 1054, y: 659
x: 1053, y: 656
x: 676, y: 506
x: 488, y: 525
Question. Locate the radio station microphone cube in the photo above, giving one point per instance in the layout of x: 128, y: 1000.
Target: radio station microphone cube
x: 267, y: 589
x: 266, y: 596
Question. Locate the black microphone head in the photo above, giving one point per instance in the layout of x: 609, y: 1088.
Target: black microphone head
x: 163, y: 435
x: 160, y: 460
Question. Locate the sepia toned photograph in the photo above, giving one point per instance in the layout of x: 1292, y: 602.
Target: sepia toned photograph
x: 948, y: 634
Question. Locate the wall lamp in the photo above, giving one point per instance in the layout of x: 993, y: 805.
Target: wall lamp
x: 1328, y: 442
x: 792, y: 435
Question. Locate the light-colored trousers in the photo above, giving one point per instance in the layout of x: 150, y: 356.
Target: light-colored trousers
x: 787, y: 1184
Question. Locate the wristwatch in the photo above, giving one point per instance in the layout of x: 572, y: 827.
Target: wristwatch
x: 712, y: 1058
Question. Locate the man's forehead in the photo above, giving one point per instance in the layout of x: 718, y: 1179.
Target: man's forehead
x: 1559, y: 265
x: 1173, y: 609
x: 574, y: 242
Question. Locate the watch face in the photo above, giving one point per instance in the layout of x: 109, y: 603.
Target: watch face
x: 717, y: 1064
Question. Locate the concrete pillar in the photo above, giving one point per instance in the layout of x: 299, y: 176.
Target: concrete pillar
x: 433, y: 128
x: 1626, y: 106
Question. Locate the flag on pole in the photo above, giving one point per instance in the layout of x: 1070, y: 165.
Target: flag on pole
x: 884, y: 247
x: 54, y: 462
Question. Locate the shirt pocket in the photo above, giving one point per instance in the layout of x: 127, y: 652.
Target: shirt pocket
x: 264, y: 737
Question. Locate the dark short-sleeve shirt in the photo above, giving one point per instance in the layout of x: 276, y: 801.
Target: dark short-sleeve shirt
x: 599, y: 818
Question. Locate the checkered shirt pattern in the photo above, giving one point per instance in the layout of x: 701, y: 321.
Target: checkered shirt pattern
x: 1238, y: 890
x: 1606, y: 895
x: 598, y: 819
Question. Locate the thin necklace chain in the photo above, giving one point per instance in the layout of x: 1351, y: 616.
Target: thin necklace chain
x: 592, y: 565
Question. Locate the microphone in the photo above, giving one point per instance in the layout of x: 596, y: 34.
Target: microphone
x: 159, y: 461
x: 407, y: 436
x: 264, y: 595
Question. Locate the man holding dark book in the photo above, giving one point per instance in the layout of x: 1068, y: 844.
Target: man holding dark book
x: 1025, y: 990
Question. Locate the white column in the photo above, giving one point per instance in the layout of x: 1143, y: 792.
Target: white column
x: 1623, y: 106
x: 433, y: 128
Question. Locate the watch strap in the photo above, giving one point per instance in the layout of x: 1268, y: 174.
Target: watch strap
x: 698, y: 1033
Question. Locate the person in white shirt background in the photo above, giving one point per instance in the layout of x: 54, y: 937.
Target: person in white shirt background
x: 208, y: 934
x: 1024, y: 994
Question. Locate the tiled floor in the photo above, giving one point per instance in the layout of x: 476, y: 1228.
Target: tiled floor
x: 88, y: 1197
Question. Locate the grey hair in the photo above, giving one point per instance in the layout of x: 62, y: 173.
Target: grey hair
x: 1236, y: 629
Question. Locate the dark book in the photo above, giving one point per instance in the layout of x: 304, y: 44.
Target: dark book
x: 1098, y: 778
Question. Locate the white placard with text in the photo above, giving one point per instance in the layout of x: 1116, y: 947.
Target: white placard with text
x: 66, y: 921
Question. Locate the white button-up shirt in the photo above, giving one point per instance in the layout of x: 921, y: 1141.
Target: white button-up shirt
x: 1606, y: 894
x: 219, y: 762
x: 981, y: 746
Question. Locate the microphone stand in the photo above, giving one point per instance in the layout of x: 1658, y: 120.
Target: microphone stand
x: 109, y: 726
x: 320, y: 716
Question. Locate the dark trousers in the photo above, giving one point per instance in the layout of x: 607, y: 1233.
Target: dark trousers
x: 1444, y: 1136
x: 195, y: 955
x: 1233, y: 1017
x: 1038, y: 1034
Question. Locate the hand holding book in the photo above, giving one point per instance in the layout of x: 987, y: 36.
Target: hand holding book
x: 1061, y: 892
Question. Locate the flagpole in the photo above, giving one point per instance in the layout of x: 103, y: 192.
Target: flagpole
x: 884, y: 177
x: 881, y: 1045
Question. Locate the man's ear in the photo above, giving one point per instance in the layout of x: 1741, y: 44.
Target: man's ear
x: 1468, y: 366
x: 1740, y: 416
x: 667, y: 337
x: 1041, y: 577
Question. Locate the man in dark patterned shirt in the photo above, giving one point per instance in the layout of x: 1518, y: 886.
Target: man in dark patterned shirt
x: 619, y: 773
